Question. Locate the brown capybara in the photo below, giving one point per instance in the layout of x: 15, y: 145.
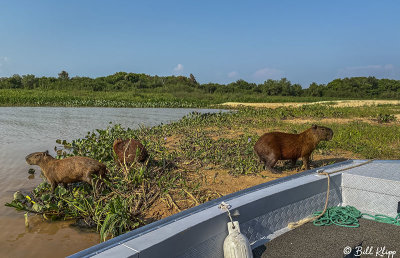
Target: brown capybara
x: 126, y: 151
x: 275, y: 146
x: 68, y: 170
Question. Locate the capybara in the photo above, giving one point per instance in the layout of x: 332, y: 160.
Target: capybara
x: 68, y: 170
x: 275, y: 146
x: 126, y: 151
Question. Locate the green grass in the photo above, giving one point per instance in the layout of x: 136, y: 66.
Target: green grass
x: 134, y: 98
x: 91, y: 99
x: 221, y: 141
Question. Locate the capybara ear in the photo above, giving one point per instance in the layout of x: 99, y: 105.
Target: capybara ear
x: 46, y: 153
x: 314, y: 126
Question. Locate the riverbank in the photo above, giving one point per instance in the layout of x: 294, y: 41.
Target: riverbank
x: 333, y: 103
x: 24, y: 130
x: 136, y: 98
x: 204, y: 156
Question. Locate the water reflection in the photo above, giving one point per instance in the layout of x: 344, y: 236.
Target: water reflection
x: 36, y: 226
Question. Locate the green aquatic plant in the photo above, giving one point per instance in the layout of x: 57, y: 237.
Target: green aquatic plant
x: 386, y: 118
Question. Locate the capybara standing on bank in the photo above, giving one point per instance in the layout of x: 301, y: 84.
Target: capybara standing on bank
x: 68, y: 170
x: 275, y: 146
x: 126, y: 151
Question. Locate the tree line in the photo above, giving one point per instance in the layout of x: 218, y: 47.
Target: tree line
x: 355, y: 87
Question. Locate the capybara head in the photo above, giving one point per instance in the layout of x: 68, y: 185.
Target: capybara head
x: 36, y: 157
x: 323, y: 133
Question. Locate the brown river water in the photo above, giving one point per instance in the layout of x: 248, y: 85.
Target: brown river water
x: 24, y: 130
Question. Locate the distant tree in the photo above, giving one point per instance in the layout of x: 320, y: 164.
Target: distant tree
x: 354, y: 87
x: 63, y: 75
x: 116, y: 77
x: 273, y: 87
x: 28, y: 81
x: 131, y: 77
x: 15, y: 81
x: 192, y: 79
x: 210, y: 87
x: 284, y: 87
x: 242, y: 85
x: 314, y: 90
x: 296, y: 90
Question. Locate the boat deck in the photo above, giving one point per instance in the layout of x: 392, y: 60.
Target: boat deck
x: 330, y: 241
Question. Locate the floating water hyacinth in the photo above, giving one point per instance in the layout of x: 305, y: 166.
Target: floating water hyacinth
x: 165, y: 138
x: 249, y: 140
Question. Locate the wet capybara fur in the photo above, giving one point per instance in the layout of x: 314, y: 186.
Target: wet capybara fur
x: 126, y: 151
x: 275, y: 146
x: 68, y: 170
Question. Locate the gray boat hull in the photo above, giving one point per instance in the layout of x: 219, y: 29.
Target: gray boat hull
x: 265, y: 211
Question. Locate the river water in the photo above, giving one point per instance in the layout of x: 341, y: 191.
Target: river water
x: 24, y: 130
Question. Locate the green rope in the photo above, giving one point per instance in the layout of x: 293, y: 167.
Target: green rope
x: 342, y: 216
x: 383, y: 218
x: 348, y: 217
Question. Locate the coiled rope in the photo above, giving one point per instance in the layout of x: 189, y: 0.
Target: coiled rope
x: 348, y: 217
x: 342, y: 216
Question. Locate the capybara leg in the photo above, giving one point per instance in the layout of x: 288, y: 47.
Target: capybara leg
x: 273, y: 170
x: 53, y: 186
x: 88, y: 179
x: 306, y: 162
x: 96, y: 185
x: 104, y: 177
x: 293, y: 162
x: 271, y: 160
x: 101, y: 184
x: 270, y: 163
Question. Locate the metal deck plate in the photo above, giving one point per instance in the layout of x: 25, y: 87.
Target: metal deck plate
x: 373, y: 188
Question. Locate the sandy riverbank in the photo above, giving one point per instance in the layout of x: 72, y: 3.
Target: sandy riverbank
x: 336, y: 103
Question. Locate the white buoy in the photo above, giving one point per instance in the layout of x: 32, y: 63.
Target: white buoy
x: 236, y: 244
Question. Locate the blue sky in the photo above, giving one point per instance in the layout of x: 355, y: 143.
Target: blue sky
x: 217, y: 41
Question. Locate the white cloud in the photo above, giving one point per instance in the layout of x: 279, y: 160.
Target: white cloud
x: 268, y: 73
x: 387, y: 70
x: 233, y: 74
x: 178, y: 68
x: 3, y: 61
